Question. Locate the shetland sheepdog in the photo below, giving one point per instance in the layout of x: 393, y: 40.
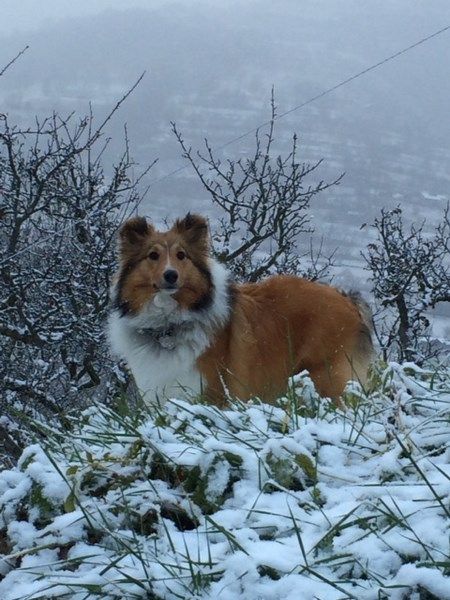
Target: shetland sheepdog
x: 184, y: 327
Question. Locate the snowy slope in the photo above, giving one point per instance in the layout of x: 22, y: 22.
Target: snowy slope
x: 255, y: 502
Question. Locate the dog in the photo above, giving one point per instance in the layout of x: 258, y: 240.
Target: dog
x: 185, y: 328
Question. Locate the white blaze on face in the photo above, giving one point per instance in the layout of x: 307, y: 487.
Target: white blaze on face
x: 164, y: 293
x: 168, y: 263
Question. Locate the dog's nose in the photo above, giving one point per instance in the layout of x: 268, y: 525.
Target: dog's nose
x: 170, y: 276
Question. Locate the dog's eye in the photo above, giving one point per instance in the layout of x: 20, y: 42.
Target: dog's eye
x: 181, y: 255
x: 153, y: 255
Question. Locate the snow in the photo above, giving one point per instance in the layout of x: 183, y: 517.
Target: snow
x: 253, y: 502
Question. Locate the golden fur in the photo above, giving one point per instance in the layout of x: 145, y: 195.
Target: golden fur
x: 281, y: 327
x: 275, y: 329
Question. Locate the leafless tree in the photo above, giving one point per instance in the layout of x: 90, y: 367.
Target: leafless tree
x: 264, y: 204
x: 410, y: 273
x: 59, y: 213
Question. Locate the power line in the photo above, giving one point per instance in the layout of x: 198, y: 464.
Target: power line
x: 314, y: 98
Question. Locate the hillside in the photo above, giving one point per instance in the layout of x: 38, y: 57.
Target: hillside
x: 210, y: 68
x: 297, y: 501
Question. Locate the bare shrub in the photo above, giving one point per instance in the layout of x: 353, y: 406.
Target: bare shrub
x: 410, y: 274
x: 264, y: 204
x: 59, y: 213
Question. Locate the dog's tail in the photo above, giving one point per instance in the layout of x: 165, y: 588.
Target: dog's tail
x: 364, y: 350
x: 363, y: 307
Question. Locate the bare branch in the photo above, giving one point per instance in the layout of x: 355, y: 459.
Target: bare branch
x: 265, y: 204
x: 410, y: 275
x: 12, y: 61
x: 60, y: 214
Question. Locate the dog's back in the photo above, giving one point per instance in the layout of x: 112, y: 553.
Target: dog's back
x: 282, y: 326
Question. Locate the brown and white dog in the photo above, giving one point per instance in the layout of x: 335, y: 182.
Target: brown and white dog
x: 185, y: 328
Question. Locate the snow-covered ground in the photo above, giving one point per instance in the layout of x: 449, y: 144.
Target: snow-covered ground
x: 293, y: 502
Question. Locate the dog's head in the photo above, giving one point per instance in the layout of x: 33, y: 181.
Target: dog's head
x: 157, y: 264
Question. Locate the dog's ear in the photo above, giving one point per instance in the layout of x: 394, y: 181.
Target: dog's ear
x: 194, y: 229
x: 133, y: 233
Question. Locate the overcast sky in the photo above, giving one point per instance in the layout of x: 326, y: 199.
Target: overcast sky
x: 23, y: 15
x: 210, y: 67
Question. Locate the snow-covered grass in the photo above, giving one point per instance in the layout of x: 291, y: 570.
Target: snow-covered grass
x: 298, y: 501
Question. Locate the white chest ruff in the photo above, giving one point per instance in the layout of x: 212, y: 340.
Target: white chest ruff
x: 163, y: 366
x: 162, y: 344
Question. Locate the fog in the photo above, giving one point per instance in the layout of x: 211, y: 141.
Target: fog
x: 210, y: 67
